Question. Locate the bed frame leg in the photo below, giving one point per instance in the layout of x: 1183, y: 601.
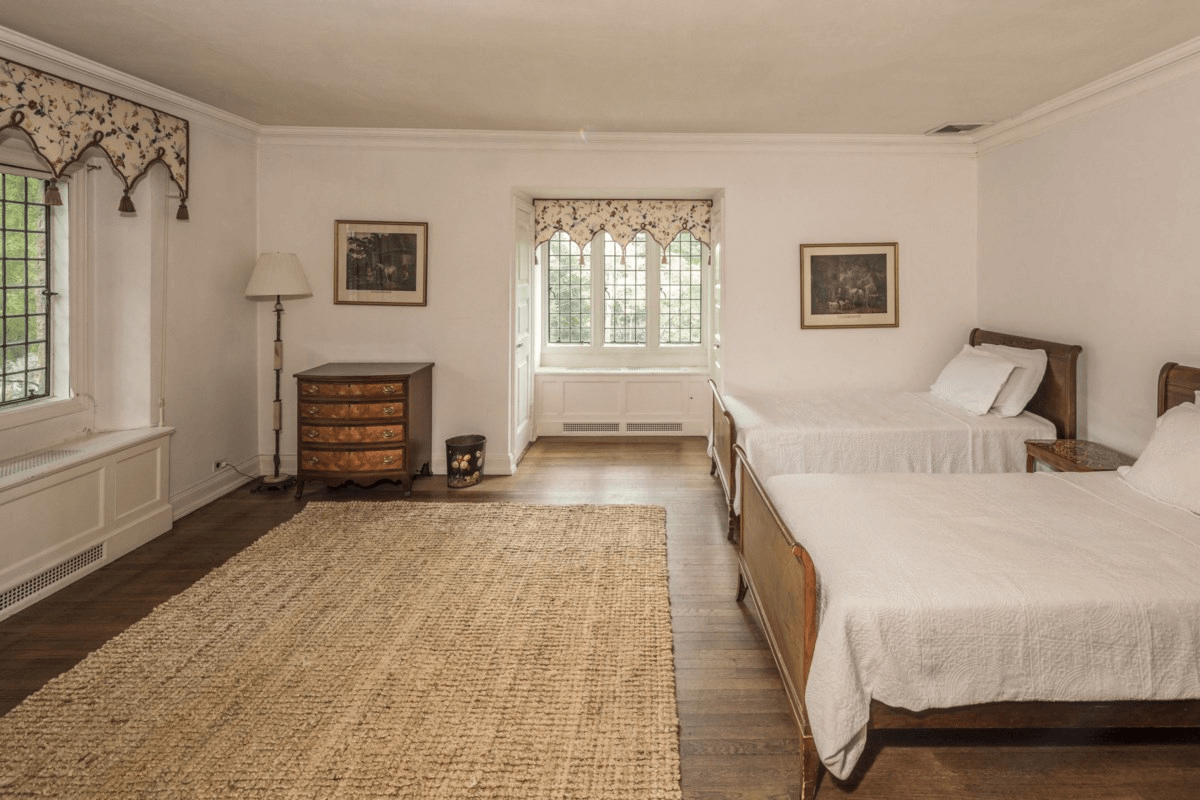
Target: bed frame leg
x: 712, y: 466
x: 742, y: 587
x: 732, y: 534
x: 811, y: 768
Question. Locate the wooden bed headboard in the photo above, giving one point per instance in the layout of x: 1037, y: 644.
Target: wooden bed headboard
x: 1056, y: 397
x: 1177, y: 384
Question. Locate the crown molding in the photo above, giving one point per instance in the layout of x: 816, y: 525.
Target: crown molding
x: 40, y: 55
x: 584, y: 141
x: 1170, y: 65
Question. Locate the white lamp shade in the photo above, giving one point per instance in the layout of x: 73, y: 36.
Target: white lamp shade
x: 278, y: 274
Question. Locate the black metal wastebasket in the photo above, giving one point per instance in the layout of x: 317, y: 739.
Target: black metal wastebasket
x: 464, y: 460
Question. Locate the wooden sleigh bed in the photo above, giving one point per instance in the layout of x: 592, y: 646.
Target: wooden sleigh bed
x: 1054, y: 401
x: 780, y: 576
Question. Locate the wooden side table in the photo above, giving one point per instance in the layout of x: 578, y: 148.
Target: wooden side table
x: 1073, y: 455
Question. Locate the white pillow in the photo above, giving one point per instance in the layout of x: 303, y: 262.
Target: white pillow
x: 972, y: 379
x: 1169, y: 468
x: 1023, y: 384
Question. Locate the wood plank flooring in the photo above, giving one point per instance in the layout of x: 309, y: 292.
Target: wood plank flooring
x: 737, y: 740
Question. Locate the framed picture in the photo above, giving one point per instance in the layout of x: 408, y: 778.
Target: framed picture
x: 849, y: 286
x: 380, y: 263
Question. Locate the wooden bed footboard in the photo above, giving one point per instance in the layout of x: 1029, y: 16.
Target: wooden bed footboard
x: 778, y: 574
x: 724, y: 434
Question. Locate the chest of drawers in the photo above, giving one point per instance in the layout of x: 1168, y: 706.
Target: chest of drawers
x: 363, y: 423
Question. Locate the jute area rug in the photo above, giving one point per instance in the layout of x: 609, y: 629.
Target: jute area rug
x: 370, y: 649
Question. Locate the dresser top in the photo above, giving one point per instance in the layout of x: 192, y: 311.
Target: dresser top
x: 365, y: 369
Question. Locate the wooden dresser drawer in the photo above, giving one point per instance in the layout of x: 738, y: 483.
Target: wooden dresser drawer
x: 347, y: 411
x: 352, y: 460
x: 349, y: 390
x: 352, y: 433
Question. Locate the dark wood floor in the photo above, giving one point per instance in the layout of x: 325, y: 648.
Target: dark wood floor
x: 736, y: 738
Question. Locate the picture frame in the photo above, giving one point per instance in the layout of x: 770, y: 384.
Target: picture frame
x: 849, y: 285
x: 380, y: 263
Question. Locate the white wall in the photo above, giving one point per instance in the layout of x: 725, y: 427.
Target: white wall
x: 211, y: 358
x: 922, y: 196
x: 1087, y: 235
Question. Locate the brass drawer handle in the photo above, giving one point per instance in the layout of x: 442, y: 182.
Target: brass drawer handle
x: 311, y: 388
x: 389, y: 389
x: 389, y: 459
x: 388, y: 434
x: 312, y: 433
x: 313, y: 461
x: 389, y: 409
x: 312, y: 411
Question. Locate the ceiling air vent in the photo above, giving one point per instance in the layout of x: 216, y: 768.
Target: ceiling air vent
x: 955, y: 127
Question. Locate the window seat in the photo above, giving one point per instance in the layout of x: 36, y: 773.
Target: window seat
x: 651, y: 401
x: 71, y: 508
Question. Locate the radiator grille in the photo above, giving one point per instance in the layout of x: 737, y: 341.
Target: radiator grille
x: 582, y: 427
x: 47, y: 578
x: 653, y: 427
x: 25, y: 463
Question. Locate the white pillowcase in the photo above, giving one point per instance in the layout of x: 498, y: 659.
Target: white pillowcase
x: 1169, y: 468
x: 972, y: 379
x: 1023, y: 384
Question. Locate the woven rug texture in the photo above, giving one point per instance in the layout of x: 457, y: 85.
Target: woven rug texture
x: 383, y: 649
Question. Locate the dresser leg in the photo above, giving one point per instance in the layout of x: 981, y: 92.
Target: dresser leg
x: 299, y: 488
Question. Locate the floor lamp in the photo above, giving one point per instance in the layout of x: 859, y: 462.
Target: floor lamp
x: 277, y: 275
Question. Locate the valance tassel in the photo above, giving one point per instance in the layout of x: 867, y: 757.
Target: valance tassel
x: 622, y: 258
x: 182, y: 213
x: 581, y: 261
x: 126, y: 206
x: 53, y: 196
x: 664, y: 257
x: 535, y: 258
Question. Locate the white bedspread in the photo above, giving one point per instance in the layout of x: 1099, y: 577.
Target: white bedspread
x: 881, y: 432
x: 947, y: 590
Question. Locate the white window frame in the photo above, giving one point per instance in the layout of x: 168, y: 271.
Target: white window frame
x: 599, y: 355
x: 70, y: 379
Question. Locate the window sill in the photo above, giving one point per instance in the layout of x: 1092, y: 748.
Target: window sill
x: 40, y: 411
x: 622, y: 371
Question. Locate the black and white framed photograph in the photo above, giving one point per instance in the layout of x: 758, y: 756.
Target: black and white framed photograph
x: 849, y: 285
x: 380, y: 263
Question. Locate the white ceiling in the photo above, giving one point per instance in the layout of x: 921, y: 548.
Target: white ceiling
x: 631, y: 66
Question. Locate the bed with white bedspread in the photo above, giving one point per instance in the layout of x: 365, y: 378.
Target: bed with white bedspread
x: 878, y: 432
x: 991, y: 588
x: 898, y: 431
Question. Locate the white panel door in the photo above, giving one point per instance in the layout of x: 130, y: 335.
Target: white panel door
x: 717, y: 253
x: 522, y: 399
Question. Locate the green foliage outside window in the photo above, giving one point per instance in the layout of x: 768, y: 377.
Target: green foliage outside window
x: 26, y: 290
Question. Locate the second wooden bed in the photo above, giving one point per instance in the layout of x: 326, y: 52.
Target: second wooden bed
x: 1055, y: 402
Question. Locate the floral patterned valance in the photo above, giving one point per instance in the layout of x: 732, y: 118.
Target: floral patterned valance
x: 63, y: 119
x: 662, y: 220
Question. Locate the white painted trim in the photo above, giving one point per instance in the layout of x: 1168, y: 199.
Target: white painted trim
x: 404, y: 139
x: 36, y: 53
x: 1169, y: 65
x: 215, y: 486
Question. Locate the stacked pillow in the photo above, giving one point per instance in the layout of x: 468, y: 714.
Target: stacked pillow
x: 992, y: 377
x: 1169, y: 468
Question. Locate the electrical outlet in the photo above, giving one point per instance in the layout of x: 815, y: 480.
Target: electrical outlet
x: 219, y: 465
